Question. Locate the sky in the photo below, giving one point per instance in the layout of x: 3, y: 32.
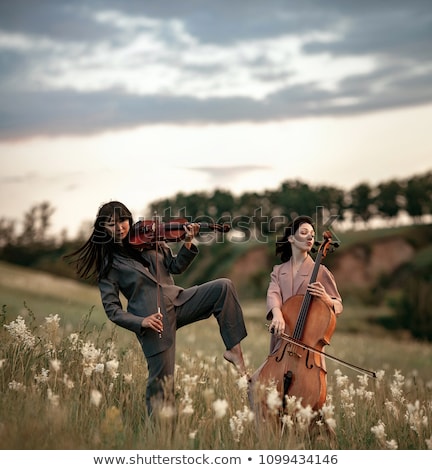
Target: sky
x: 136, y: 101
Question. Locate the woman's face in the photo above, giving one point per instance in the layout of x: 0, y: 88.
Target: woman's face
x: 118, y: 228
x: 304, y: 237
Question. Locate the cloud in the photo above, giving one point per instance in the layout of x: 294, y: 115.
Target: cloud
x: 77, y: 68
x: 229, y: 173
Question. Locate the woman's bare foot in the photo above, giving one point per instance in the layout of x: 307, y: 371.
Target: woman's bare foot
x: 235, y: 357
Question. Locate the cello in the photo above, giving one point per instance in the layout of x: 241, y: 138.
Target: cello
x: 296, y: 368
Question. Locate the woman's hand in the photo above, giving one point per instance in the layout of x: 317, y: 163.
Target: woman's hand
x: 191, y: 231
x: 317, y: 289
x: 154, y: 322
x: 277, y: 325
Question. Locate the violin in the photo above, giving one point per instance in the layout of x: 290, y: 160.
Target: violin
x: 146, y: 233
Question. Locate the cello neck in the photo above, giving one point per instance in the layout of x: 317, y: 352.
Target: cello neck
x: 301, y: 320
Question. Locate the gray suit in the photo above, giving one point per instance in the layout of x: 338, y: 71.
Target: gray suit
x: 179, y: 307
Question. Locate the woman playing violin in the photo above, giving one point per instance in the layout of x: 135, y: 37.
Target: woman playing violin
x: 156, y: 306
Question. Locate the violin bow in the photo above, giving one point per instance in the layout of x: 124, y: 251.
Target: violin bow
x: 297, y: 342
x: 156, y: 227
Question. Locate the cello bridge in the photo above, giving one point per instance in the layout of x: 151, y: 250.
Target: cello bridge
x: 294, y: 353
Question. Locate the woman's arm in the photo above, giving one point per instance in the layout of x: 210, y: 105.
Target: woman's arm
x: 109, y: 291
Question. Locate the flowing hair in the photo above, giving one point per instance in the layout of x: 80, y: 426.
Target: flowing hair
x: 94, y: 259
x: 283, y: 246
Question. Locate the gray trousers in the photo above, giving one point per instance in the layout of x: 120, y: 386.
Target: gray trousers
x: 218, y: 298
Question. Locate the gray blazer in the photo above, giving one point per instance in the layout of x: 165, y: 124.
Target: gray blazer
x: 138, y: 284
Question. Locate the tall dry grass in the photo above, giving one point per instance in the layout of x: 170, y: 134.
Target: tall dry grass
x: 84, y: 389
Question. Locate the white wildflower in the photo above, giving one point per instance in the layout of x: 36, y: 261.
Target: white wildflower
x: 69, y: 383
x: 287, y: 421
x: 128, y: 378
x: 416, y: 416
x: 112, y: 367
x: 391, y: 445
x: 380, y: 375
x: 291, y: 404
x: 188, y: 409
x: 243, y: 383
x: 99, y: 368
x: 88, y: 370
x: 396, y: 386
x: 190, y: 380
x: 274, y: 401
x: 55, y: 364
x: 52, y: 320
x: 327, y: 412
x: 363, y: 380
x: 331, y: 423
x: 2, y: 362
x: 392, y: 408
x: 304, y: 415
x: 74, y: 339
x: 43, y: 377
x: 220, y: 408
x: 342, y: 381
x: 347, y: 395
x: 95, y: 397
x: 17, y: 386
x: 237, y: 422
x: 186, y: 404
x: 90, y: 353
x: 19, y: 331
x: 379, y: 431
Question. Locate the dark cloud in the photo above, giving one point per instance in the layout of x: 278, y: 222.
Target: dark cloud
x: 397, y: 34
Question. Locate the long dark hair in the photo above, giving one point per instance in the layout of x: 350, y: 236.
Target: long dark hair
x: 94, y: 259
x: 283, y: 246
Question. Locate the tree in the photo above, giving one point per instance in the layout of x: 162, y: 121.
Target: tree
x: 388, y: 199
x: 332, y: 199
x: 219, y: 204
x: 36, y: 224
x: 295, y: 198
x: 7, y: 231
x: 418, y: 196
x: 361, y: 202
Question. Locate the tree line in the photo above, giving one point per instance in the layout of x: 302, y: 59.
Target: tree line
x: 386, y: 201
x: 363, y: 203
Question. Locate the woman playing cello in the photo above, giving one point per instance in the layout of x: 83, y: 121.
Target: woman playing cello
x: 292, y: 278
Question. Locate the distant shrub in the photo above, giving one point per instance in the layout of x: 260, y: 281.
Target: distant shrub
x: 414, y: 307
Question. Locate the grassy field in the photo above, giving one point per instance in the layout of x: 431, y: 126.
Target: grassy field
x: 53, y: 397
x: 371, y: 346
